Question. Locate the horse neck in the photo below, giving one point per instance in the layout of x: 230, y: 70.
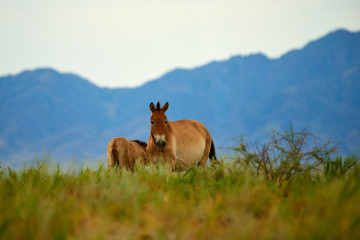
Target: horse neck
x: 143, y: 147
x: 142, y: 144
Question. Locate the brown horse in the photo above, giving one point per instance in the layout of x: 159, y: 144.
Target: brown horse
x: 125, y: 153
x: 182, y: 143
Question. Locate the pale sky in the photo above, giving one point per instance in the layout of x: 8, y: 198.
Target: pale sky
x: 116, y: 43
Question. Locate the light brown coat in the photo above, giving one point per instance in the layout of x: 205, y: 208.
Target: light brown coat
x: 182, y: 143
x: 125, y: 153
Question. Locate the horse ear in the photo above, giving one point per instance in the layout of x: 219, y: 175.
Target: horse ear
x: 165, y: 107
x: 152, y: 107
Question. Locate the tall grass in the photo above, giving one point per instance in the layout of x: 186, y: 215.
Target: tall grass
x: 44, y: 201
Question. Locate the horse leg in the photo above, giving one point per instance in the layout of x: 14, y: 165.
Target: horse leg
x: 205, y: 156
x: 203, y: 160
x: 171, y: 160
x: 110, y: 161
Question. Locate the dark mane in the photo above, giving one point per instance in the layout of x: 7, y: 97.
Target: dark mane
x: 158, y: 107
x: 141, y: 143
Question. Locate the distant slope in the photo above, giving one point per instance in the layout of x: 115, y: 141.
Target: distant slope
x: 45, y: 111
x: 318, y: 87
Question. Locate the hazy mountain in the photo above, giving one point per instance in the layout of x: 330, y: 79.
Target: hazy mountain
x: 318, y: 87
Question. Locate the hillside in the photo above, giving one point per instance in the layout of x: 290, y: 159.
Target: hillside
x: 44, y: 111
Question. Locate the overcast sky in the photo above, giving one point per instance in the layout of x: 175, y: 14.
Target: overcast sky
x: 126, y: 43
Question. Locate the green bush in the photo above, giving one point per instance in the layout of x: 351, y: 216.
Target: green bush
x: 284, y: 156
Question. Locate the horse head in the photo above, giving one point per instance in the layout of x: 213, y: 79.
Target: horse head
x: 159, y: 124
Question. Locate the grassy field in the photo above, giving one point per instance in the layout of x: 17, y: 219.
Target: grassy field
x: 217, y: 202
x: 287, y: 188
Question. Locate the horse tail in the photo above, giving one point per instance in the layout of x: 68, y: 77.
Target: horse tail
x: 112, y: 155
x: 212, y: 154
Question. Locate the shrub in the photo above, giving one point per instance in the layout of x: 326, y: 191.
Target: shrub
x: 284, y: 156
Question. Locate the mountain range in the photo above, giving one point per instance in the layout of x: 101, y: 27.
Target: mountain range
x: 65, y: 116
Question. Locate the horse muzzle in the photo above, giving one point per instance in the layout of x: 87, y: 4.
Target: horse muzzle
x: 160, y: 143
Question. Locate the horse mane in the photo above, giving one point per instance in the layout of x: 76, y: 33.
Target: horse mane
x: 158, y: 107
x: 141, y: 143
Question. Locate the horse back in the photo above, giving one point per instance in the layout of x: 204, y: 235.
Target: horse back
x: 189, y: 129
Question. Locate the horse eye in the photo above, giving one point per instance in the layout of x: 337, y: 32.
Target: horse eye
x: 165, y: 121
x: 152, y: 122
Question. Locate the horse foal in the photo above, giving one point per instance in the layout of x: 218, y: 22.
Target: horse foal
x: 125, y: 153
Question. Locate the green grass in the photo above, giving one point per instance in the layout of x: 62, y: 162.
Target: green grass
x: 219, y: 202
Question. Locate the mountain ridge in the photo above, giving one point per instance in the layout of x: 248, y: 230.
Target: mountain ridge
x: 65, y: 115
